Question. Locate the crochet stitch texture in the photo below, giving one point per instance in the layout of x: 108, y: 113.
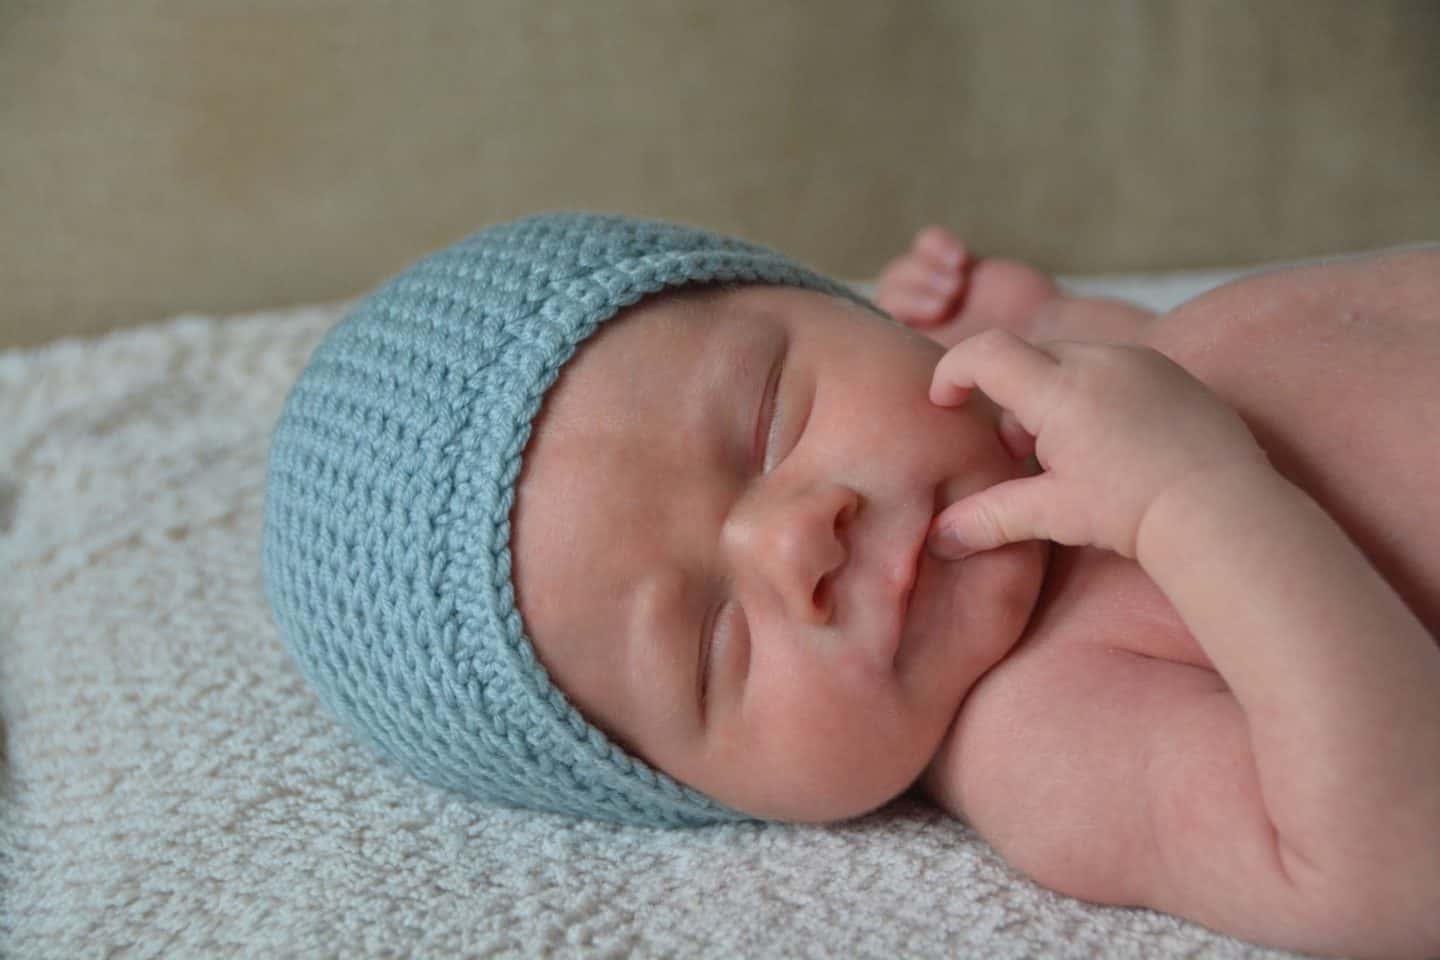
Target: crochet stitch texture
x: 386, y: 543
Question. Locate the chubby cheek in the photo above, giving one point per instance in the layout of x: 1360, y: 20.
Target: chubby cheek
x: 828, y: 744
x: 991, y: 597
x: 876, y: 412
x: 928, y: 445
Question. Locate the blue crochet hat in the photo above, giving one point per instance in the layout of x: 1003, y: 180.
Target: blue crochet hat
x: 386, y: 547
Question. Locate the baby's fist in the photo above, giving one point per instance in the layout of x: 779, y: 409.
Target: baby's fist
x: 921, y: 287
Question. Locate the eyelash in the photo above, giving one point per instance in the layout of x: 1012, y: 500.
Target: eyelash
x: 769, y: 407
x: 707, y: 646
x: 712, y: 632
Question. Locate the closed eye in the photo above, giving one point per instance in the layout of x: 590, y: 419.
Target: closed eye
x: 707, y: 646
x: 766, y: 419
x: 722, y: 630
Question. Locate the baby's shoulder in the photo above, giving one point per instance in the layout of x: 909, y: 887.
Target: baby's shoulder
x: 1333, y: 367
x: 1308, y: 315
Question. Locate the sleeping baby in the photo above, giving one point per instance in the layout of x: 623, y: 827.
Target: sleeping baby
x: 627, y: 520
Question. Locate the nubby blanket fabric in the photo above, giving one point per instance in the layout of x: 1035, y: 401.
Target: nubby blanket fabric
x: 172, y: 787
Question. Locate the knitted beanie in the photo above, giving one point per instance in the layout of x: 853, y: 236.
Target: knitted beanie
x: 386, y: 544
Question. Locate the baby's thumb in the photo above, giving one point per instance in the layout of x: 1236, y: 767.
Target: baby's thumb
x: 1005, y: 513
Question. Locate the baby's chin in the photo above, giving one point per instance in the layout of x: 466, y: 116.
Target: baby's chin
x: 966, y: 615
x: 974, y: 611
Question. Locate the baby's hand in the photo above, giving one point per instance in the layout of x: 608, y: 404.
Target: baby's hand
x: 940, y: 289
x: 921, y: 287
x: 1113, y: 427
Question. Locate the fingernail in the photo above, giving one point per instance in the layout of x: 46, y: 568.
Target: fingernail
x: 946, y: 544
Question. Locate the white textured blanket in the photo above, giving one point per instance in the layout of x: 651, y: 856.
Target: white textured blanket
x: 172, y: 788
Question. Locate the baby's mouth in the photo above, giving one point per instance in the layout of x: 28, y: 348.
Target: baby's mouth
x: 907, y: 577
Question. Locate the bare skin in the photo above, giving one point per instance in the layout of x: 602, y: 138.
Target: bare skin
x: 1232, y: 711
x: 1217, y: 695
x: 940, y: 288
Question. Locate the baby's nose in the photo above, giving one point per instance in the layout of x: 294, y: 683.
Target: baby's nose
x: 794, y: 547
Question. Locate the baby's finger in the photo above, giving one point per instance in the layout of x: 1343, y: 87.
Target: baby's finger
x: 915, y: 296
x: 916, y: 308
x: 1012, y: 372
x: 915, y: 273
x: 1005, y: 513
x: 941, y: 248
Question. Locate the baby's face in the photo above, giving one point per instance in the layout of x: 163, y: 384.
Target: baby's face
x: 719, y: 548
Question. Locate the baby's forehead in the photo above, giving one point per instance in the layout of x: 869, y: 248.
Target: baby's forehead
x: 683, y: 359
x: 642, y: 362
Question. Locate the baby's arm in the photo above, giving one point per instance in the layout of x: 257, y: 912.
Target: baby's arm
x: 1336, y: 681
x: 1340, y: 685
x: 939, y: 288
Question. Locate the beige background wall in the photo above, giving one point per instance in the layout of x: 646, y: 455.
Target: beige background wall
x: 158, y: 157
